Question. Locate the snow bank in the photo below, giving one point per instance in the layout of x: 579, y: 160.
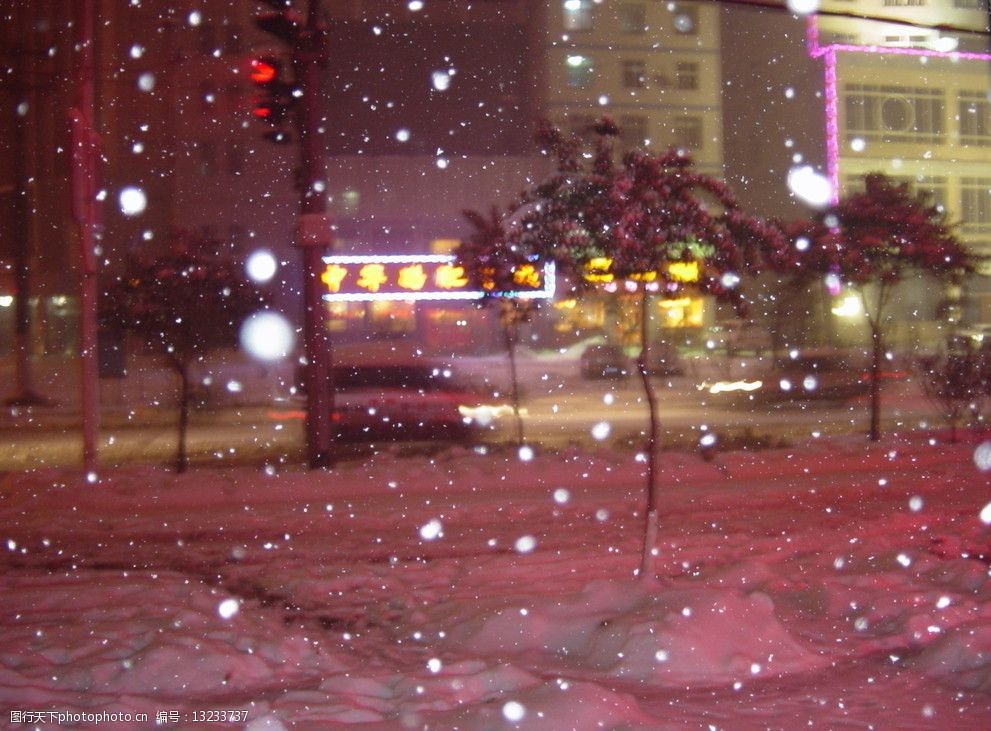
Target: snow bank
x: 796, y: 591
x: 630, y: 630
x: 961, y: 658
x: 144, y: 635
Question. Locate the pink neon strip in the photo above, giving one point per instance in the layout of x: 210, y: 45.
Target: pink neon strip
x: 896, y: 51
x: 815, y: 50
x: 832, y: 128
x: 828, y: 53
x: 812, y: 36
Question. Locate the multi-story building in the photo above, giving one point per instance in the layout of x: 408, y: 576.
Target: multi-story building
x: 906, y: 93
x: 654, y: 67
x: 874, y: 86
x: 428, y: 115
x: 430, y: 109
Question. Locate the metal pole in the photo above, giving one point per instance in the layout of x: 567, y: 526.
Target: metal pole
x: 314, y: 237
x: 25, y: 96
x: 84, y: 198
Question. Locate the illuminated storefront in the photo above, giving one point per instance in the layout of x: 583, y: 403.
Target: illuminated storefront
x: 425, y: 297
x: 613, y: 307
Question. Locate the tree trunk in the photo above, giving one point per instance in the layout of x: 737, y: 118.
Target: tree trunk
x: 182, y: 460
x: 510, y: 333
x: 877, y: 353
x: 650, y: 517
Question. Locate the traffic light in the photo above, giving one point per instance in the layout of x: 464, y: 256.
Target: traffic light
x: 274, y: 96
x: 285, y: 25
x: 283, y: 22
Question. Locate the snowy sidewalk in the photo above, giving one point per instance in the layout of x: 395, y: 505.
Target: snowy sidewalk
x: 835, y: 584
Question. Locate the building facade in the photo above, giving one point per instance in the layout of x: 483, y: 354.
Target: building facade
x: 906, y: 93
x: 430, y: 110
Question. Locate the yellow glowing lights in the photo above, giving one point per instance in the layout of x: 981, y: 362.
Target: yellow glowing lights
x: 333, y: 276
x: 368, y: 278
x: 527, y: 276
x: 684, y: 271
x: 449, y: 276
x: 412, y: 277
x: 372, y: 277
x: 598, y: 270
x: 848, y: 306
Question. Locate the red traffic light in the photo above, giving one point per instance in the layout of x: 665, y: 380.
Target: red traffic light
x: 263, y: 71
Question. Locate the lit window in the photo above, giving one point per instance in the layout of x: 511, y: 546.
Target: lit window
x: 632, y: 18
x: 579, y: 70
x: 687, y: 75
x: 633, y: 130
x: 894, y: 113
x: 975, y: 205
x: 975, y: 118
x: 634, y: 74
x: 577, y: 14
x: 687, y: 133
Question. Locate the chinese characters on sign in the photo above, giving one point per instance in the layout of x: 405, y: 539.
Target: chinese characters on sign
x: 419, y: 277
x: 599, y: 270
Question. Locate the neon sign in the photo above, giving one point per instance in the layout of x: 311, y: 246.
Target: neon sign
x: 420, y: 277
x: 828, y: 53
x: 598, y: 270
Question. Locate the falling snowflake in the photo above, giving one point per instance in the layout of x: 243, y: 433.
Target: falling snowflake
x: 432, y: 529
x: 982, y: 456
x: 513, y: 711
x: 133, y: 201
x: 812, y: 188
x: 525, y: 544
x: 228, y: 608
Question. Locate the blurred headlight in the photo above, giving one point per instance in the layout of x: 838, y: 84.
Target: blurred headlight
x: 485, y: 414
x: 726, y: 386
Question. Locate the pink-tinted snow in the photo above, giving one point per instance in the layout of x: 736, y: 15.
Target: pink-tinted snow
x: 831, y: 585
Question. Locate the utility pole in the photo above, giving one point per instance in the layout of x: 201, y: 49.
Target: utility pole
x: 85, y: 159
x: 314, y: 236
x: 23, y: 59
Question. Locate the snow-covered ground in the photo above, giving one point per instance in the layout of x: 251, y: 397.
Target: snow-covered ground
x: 832, y: 585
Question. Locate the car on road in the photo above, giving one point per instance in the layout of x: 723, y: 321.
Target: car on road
x: 801, y: 377
x: 603, y: 360
x: 979, y: 335
x: 663, y: 359
x: 407, y: 401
